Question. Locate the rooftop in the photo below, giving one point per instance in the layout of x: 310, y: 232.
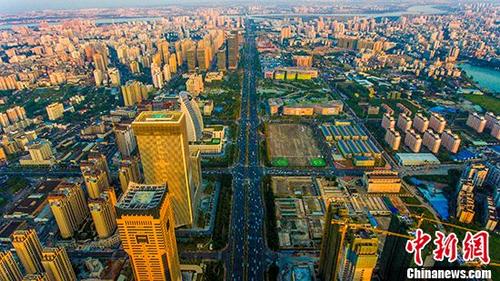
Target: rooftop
x: 141, y: 198
x: 158, y: 116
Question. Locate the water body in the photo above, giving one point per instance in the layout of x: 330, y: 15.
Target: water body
x: 413, y: 10
x: 486, y: 77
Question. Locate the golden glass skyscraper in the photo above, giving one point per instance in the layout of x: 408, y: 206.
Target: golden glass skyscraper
x: 57, y: 264
x: 9, y: 271
x: 146, y: 225
x: 28, y: 249
x: 163, y: 146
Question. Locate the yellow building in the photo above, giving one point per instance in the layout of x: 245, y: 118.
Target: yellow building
x: 55, y: 110
x: 382, y: 181
x: 134, y: 92
x: 96, y: 181
x: 103, y: 215
x: 162, y: 140
x: 9, y: 271
x: 359, y: 256
x: 28, y: 249
x: 146, y: 225
x: 67, y: 203
x: 128, y: 172
x: 57, y: 264
x: 40, y: 154
x: 194, y: 84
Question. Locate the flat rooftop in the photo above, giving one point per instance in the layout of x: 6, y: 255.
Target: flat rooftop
x: 142, y: 199
x: 158, y: 117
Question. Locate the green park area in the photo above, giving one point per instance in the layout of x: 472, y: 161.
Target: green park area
x: 489, y: 103
x: 318, y: 162
x: 279, y: 162
x: 226, y: 95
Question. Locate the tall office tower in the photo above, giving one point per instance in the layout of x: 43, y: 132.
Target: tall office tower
x: 332, y: 243
x: 125, y: 138
x: 476, y: 122
x: 413, y: 140
x: 191, y: 58
x: 36, y: 277
x: 57, y: 264
x: 359, y: 256
x: 134, y: 92
x: 114, y: 76
x: 163, y: 146
x: 146, y: 225
x: 172, y: 62
x: 476, y: 172
x: 55, y: 110
x: 450, y: 141
x: 221, y: 59
x: 129, y: 172
x: 68, y: 205
x: 103, y: 215
x: 9, y: 271
x: 420, y: 123
x: 203, y: 56
x: 96, y: 182
x: 28, y: 249
x: 157, y: 76
x: 394, y: 260
x: 100, y: 62
x: 404, y: 122
x: 392, y: 138
x: 233, y: 50
x: 437, y: 123
x: 194, y: 119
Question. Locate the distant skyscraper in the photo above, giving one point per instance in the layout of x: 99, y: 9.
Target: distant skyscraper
x: 125, y: 138
x: 221, y: 59
x: 28, y: 249
x: 9, y: 271
x: 332, y: 243
x: 57, y: 264
x: 194, y: 119
x: 233, y: 50
x: 68, y: 205
x: 146, y: 225
x: 134, y: 92
x: 96, y: 181
x: 163, y: 146
x: 191, y: 58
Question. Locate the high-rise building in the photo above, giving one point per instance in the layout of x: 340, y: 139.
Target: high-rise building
x: 233, y: 46
x: 476, y: 122
x: 413, y: 140
x: 57, y: 264
x: 404, y: 122
x: 394, y: 260
x: 55, y: 110
x: 388, y: 121
x: 392, y: 138
x: 465, y: 202
x: 114, y: 76
x: 146, y: 223
x: 450, y: 141
x: 420, y: 123
x: 68, y: 205
x: 191, y: 58
x: 135, y: 92
x: 203, y: 56
x: 172, y: 62
x: 125, y: 138
x: 100, y: 62
x: 129, y: 172
x: 96, y: 182
x: 40, y: 154
x: 194, y: 119
x: 103, y: 215
x: 359, y: 257
x: 9, y: 271
x: 96, y: 161
x: 285, y: 33
x: 432, y: 141
x: 163, y: 146
x: 221, y: 59
x: 195, y: 164
x: 437, y: 123
x: 332, y: 242
x: 303, y: 60
x: 477, y: 172
x: 157, y: 76
x: 28, y: 249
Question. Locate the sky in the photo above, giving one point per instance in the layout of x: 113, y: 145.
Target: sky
x: 16, y: 6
